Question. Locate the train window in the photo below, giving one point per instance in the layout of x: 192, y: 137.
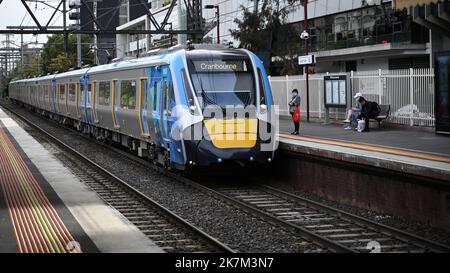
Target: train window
x: 128, y: 94
x: 46, y: 91
x: 72, y: 92
x: 168, y: 90
x: 223, y: 80
x: 62, y: 92
x: 188, y: 92
x: 89, y: 95
x: 145, y: 95
x: 262, y: 88
x: 155, y: 96
x: 104, y: 95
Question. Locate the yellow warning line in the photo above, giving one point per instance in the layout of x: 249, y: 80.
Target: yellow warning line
x: 44, y: 223
x: 368, y: 147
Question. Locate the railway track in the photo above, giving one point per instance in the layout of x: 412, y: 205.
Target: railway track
x: 166, y: 229
x: 327, y: 228
x: 342, y: 228
x: 335, y: 229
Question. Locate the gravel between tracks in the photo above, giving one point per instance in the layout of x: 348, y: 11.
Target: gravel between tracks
x: 228, y: 224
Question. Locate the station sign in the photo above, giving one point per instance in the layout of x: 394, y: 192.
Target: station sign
x: 306, y: 60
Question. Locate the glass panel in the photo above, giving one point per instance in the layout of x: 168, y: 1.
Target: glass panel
x: 155, y: 96
x: 62, y: 92
x: 72, y: 92
x: 223, y: 80
x: 104, y: 93
x: 262, y: 88
x: 128, y: 94
x: 145, y: 101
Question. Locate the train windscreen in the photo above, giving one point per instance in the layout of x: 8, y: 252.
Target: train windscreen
x: 223, y: 81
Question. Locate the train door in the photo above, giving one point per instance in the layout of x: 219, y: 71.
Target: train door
x: 78, y: 101
x: 53, y: 97
x: 83, y: 98
x: 167, y: 104
x: 144, y: 107
x: 86, y: 100
x: 94, y: 102
x: 48, y: 98
x: 154, y: 92
x: 36, y: 94
x: 115, y: 103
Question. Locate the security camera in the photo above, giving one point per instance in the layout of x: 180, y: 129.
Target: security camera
x: 304, y: 35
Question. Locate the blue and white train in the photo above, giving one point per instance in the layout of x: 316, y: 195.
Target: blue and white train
x: 196, y: 105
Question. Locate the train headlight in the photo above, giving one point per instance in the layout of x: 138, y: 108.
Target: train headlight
x: 193, y: 108
x: 263, y: 108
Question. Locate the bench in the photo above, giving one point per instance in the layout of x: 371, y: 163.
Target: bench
x: 384, y: 114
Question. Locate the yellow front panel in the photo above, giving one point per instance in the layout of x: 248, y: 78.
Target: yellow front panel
x: 233, y: 134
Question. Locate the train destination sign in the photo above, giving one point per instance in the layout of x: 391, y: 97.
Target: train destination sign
x: 220, y: 66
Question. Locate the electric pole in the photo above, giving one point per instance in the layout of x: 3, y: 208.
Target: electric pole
x: 66, y: 36
x: 21, y: 54
x: 306, y: 53
x: 79, y: 64
x: 95, y: 5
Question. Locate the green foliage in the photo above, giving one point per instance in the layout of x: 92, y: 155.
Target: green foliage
x: 54, y: 58
x: 267, y: 34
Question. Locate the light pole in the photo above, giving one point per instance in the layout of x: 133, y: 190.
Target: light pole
x: 217, y: 17
x: 305, y: 37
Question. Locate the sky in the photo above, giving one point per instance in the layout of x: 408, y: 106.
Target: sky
x: 13, y: 13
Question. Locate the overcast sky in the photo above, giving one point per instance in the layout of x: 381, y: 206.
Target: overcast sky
x: 13, y: 13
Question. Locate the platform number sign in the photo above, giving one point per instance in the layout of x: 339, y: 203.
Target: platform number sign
x: 335, y: 91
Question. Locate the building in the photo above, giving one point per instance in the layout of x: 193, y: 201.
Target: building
x: 346, y: 35
x: 109, y: 15
x: 132, y: 45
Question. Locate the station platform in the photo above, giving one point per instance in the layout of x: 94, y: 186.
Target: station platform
x: 409, y: 151
x: 393, y: 171
x: 44, y: 208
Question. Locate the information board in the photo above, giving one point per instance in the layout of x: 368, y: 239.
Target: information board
x: 442, y: 72
x: 335, y: 91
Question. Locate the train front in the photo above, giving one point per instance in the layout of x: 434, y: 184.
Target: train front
x: 230, y: 103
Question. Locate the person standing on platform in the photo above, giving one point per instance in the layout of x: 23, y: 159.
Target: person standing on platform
x: 294, y: 110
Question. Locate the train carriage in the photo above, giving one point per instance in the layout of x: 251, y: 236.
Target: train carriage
x: 196, y: 105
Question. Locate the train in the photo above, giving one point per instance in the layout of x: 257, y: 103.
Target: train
x: 195, y: 105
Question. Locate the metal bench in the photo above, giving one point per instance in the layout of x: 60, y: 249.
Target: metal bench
x: 384, y: 114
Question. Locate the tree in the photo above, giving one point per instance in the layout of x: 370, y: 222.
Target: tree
x: 267, y: 34
x: 54, y: 58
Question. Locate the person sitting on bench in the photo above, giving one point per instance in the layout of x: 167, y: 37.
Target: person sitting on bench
x: 353, y: 113
x: 370, y: 110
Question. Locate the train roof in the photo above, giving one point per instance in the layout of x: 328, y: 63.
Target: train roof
x: 155, y: 57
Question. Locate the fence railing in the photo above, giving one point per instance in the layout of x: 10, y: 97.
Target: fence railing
x: 410, y: 93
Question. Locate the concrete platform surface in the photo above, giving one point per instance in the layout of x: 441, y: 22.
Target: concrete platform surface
x: 404, y: 139
x: 79, y: 206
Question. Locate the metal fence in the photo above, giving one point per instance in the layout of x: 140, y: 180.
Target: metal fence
x: 410, y: 93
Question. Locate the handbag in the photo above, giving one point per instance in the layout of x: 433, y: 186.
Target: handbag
x: 296, y: 117
x: 361, y: 125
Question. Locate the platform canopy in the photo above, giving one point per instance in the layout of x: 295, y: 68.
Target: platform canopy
x: 402, y: 4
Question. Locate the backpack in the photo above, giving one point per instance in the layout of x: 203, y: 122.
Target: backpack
x: 376, y: 109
